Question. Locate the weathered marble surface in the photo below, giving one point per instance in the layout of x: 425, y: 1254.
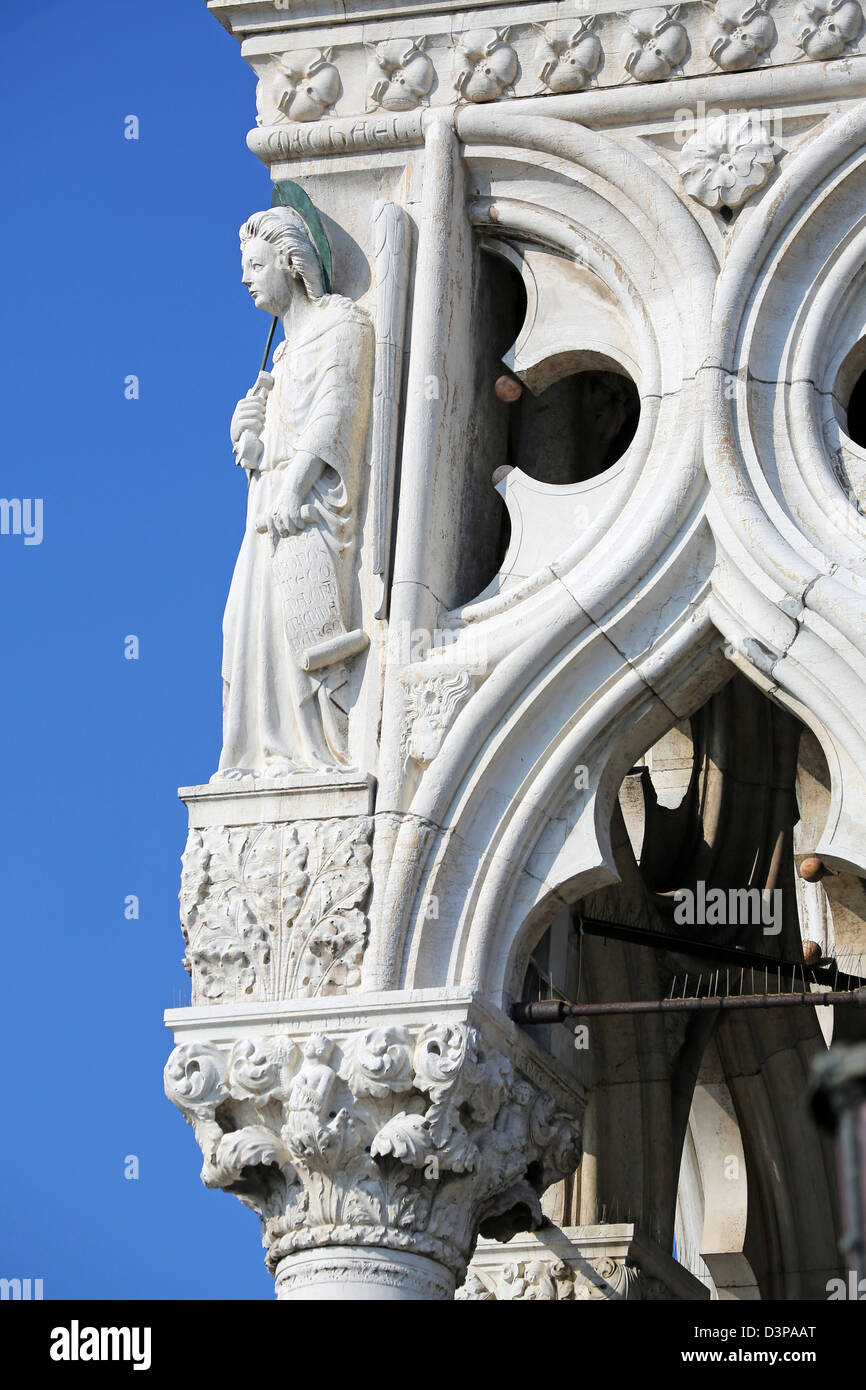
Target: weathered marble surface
x: 672, y: 198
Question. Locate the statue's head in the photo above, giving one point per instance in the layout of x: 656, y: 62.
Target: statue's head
x: 278, y: 258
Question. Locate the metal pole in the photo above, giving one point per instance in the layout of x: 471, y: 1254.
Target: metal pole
x: 558, y: 1010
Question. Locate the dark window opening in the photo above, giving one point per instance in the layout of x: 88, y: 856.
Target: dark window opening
x: 856, y: 417
x: 575, y: 429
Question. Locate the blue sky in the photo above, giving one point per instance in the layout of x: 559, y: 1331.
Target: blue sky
x: 121, y: 258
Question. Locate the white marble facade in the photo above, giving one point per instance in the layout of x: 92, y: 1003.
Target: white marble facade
x: 431, y: 710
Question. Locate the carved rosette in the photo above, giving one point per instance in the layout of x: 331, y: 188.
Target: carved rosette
x: 401, y: 75
x: 567, y: 57
x: 487, y: 65
x: 727, y: 160
x: 823, y: 29
x: 745, y: 32
x: 275, y: 911
x: 401, y: 1138
x: 299, y: 87
x: 659, y: 43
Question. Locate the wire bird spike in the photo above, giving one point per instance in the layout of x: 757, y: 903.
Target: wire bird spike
x: 705, y: 997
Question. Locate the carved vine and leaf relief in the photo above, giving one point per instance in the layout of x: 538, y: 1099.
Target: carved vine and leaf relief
x: 549, y: 1279
x: 275, y: 911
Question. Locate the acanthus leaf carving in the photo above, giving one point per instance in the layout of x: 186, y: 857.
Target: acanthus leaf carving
x: 379, y: 1062
x: 251, y: 1147
x: 195, y: 1078
x: 275, y: 911
x: 380, y: 1137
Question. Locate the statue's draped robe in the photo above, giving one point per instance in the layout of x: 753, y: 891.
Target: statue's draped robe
x: 286, y: 597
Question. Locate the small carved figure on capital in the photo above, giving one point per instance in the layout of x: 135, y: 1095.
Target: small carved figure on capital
x: 311, y: 1088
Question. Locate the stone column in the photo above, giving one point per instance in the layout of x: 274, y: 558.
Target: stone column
x: 374, y: 1138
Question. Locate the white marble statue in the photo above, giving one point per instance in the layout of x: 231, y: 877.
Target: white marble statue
x: 300, y: 435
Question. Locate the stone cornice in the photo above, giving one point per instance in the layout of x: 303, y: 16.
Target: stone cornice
x: 810, y: 89
x: 315, y: 67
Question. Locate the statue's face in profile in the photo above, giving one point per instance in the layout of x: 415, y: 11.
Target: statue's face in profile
x: 267, y: 276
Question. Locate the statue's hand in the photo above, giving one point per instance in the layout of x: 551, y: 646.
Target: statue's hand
x: 248, y: 421
x: 249, y: 415
x: 286, y: 518
x: 289, y: 514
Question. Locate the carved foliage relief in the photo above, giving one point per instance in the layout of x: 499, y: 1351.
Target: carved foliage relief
x: 552, y: 1280
x: 392, y: 1136
x: 275, y: 911
x: 432, y: 703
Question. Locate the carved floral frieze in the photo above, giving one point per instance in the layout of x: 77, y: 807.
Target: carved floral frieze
x: 825, y: 28
x: 727, y: 160
x: 552, y: 1280
x: 393, y: 1136
x: 487, y: 65
x: 567, y: 55
x: 655, y: 42
x: 275, y: 911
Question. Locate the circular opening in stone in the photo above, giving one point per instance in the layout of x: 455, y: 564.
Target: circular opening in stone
x: 849, y: 394
x: 577, y: 428
x: 855, y: 418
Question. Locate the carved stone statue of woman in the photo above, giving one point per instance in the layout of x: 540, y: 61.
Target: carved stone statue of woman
x: 300, y: 434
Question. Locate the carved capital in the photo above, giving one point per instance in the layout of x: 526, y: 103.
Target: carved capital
x: 402, y: 1136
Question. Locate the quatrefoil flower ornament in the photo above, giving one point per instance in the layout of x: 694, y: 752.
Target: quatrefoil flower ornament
x: 747, y: 32
x: 824, y: 28
x: 727, y: 160
x: 660, y: 43
x: 311, y: 88
x: 487, y: 65
x: 567, y: 61
x: 401, y: 75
